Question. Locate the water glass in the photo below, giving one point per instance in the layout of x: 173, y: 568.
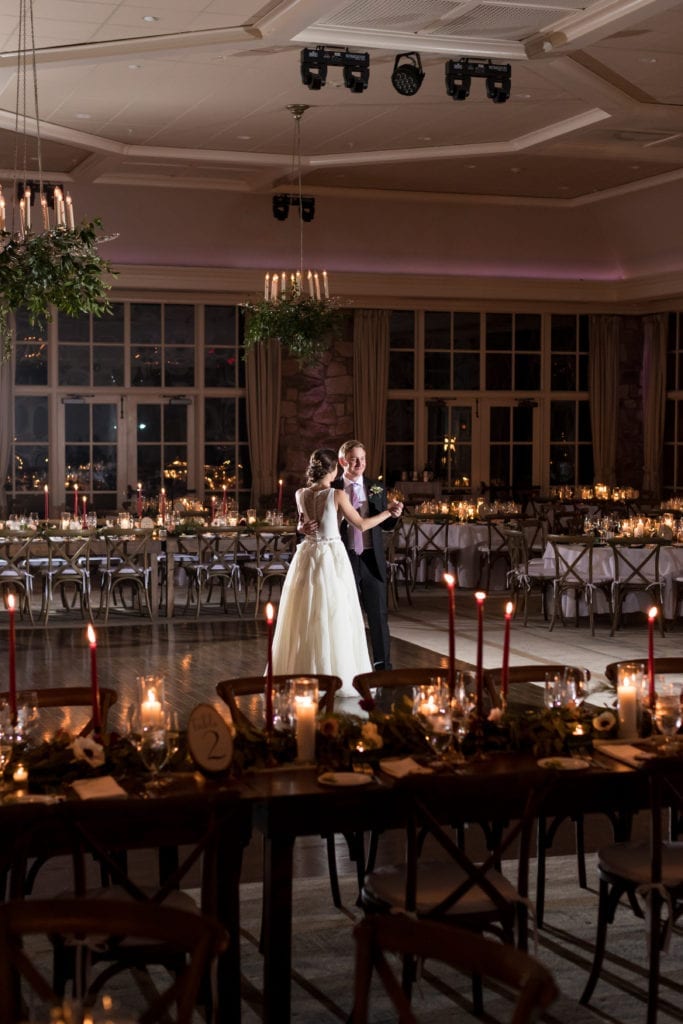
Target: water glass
x: 432, y: 703
x: 283, y: 706
x: 667, y: 714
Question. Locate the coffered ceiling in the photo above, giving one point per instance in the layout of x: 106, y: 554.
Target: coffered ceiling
x: 179, y: 92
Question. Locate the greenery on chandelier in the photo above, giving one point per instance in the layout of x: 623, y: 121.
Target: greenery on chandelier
x: 304, y: 326
x: 60, y: 267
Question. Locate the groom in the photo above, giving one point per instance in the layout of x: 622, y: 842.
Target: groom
x: 366, y: 549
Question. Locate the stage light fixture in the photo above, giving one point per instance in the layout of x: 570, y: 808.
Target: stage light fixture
x: 459, y: 75
x: 281, y: 206
x: 315, y: 61
x: 407, y: 77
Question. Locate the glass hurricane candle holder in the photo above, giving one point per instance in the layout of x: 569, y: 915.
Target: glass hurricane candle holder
x: 151, y: 701
x: 305, y: 706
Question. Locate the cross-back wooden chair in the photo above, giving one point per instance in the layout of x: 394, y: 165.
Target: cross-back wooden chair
x: 66, y: 697
x: 66, y: 570
x: 636, y: 570
x: 400, y: 553
x: 526, y: 575
x: 494, y: 549
x: 181, y: 559
x: 575, y: 578
x: 234, y: 692
x: 196, y: 939
x: 218, y: 565
x: 16, y: 576
x: 650, y: 874
x: 454, y: 889
x: 431, y: 546
x: 128, y: 565
x: 269, y: 564
x: 519, y: 675
x: 532, y: 984
x: 383, y: 686
x: 183, y: 833
x: 662, y: 666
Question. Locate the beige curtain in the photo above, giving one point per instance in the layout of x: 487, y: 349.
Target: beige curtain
x: 603, y: 381
x: 6, y: 408
x: 370, y: 381
x: 263, y: 375
x: 654, y: 399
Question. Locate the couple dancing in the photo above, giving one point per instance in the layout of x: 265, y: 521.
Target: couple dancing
x: 320, y: 624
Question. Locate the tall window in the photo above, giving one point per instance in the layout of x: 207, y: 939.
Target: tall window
x: 571, y: 448
x: 672, y: 468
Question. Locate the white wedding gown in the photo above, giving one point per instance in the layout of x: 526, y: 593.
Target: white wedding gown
x: 320, y: 625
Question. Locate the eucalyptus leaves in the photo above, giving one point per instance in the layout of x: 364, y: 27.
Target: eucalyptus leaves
x: 304, y: 325
x: 61, y: 267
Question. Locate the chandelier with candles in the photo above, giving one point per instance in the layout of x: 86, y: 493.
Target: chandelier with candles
x: 46, y: 259
x: 296, y: 308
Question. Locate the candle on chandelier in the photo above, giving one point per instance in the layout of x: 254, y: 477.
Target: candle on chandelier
x: 480, y: 597
x: 69, y: 212
x: 266, y: 287
x: 270, y: 616
x: 505, y: 671
x: 27, y: 197
x: 75, y: 501
x: 45, y: 211
x: 12, y: 675
x: 2, y: 213
x: 94, y: 685
x: 450, y: 582
x: 651, y: 696
x: 279, y: 495
x: 326, y: 288
x: 47, y: 504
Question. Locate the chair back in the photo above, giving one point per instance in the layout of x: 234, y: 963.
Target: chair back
x: 518, y: 550
x: 636, y: 565
x: 368, y: 683
x: 535, y: 530
x: 467, y: 952
x: 231, y: 690
x: 519, y: 674
x: 573, y: 560
x: 15, y: 571
x: 663, y: 666
x: 67, y: 565
x: 71, y: 697
x: 197, y: 938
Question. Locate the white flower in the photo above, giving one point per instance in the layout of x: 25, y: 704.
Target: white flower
x: 605, y: 721
x: 370, y: 736
x: 86, y: 749
x: 376, y: 489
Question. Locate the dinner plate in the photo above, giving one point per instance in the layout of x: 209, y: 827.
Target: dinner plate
x: 564, y: 764
x: 344, y: 779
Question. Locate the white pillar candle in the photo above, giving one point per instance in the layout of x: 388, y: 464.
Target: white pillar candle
x: 627, y: 697
x: 151, y: 711
x: 306, y: 711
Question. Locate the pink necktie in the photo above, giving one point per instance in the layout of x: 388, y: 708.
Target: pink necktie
x: 356, y: 534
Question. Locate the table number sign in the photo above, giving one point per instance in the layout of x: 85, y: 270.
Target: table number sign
x: 209, y: 739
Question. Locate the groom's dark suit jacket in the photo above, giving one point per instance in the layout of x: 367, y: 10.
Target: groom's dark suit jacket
x: 377, y: 502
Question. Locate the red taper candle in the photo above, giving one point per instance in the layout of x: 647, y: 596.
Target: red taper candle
x: 94, y: 685
x: 270, y: 617
x: 451, y: 582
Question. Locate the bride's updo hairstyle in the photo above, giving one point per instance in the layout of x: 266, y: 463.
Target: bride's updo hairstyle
x: 321, y: 462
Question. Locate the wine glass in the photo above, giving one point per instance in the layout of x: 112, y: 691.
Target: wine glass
x: 667, y: 713
x: 462, y: 706
x: 573, y: 686
x: 433, y: 706
x: 27, y: 716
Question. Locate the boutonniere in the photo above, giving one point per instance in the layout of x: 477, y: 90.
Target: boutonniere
x: 375, y: 490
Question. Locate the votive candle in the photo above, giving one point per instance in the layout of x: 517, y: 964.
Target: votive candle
x: 450, y: 582
x: 270, y: 617
x: 505, y: 671
x: 480, y: 597
x: 94, y: 685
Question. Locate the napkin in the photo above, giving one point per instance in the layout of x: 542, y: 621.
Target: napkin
x: 626, y: 753
x: 399, y: 767
x: 95, y: 789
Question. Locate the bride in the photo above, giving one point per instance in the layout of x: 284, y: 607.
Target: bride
x: 320, y: 624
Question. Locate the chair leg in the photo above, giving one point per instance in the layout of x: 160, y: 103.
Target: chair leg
x: 332, y: 869
x: 541, y: 844
x: 600, y: 941
x: 580, y: 850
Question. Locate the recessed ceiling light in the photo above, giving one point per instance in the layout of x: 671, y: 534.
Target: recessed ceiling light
x: 471, y: 167
x: 647, y: 60
x: 83, y: 117
x: 134, y: 67
x: 522, y: 95
x: 515, y: 170
x: 424, y: 138
x: 150, y: 17
x: 563, y: 188
x: 244, y: 138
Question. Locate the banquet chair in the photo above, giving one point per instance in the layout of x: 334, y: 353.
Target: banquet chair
x: 650, y: 874
x: 66, y: 569
x: 193, y: 843
x: 234, y: 693
x: 63, y: 697
x: 382, y: 687
x: 197, y: 940
x: 453, y: 889
x: 217, y: 565
x: 526, y: 574
x: 275, y: 547
x: 575, y: 577
x: 494, y: 549
x: 128, y: 565
x: 400, y: 556
x: 16, y: 576
x: 174, y: 564
x: 519, y: 675
x: 532, y: 985
x: 636, y: 570
x: 673, y: 665
x: 431, y: 546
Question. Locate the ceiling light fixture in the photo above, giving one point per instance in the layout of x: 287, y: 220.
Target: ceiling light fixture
x: 316, y: 60
x: 459, y: 75
x: 407, y: 77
